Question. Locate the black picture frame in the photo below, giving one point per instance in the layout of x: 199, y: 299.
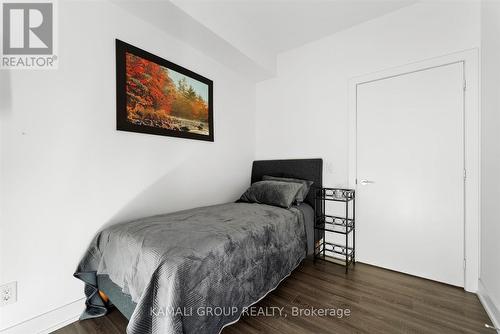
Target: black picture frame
x: 122, y: 123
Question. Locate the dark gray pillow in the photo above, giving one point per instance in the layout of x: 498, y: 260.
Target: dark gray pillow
x: 272, y: 193
x: 302, y: 194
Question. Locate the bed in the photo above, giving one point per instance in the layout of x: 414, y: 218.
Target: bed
x: 196, y: 271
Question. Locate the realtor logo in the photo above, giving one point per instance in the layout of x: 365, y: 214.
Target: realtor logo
x: 27, y: 28
x: 28, y: 35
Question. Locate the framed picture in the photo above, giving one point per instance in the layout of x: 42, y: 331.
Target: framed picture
x: 158, y: 97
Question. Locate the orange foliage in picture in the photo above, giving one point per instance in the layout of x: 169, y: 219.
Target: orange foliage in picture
x: 159, y: 97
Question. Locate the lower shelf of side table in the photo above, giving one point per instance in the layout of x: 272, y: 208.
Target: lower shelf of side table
x: 335, y: 253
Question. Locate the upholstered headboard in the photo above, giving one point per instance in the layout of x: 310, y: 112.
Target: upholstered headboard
x: 306, y: 169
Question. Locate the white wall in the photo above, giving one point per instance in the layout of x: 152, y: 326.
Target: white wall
x: 304, y: 111
x: 490, y: 149
x: 66, y: 171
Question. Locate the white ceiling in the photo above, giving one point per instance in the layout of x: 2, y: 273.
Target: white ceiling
x: 278, y: 26
x: 258, y: 30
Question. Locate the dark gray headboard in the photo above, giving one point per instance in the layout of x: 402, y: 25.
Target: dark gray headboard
x: 306, y: 169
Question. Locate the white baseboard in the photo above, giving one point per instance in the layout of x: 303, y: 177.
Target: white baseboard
x: 488, y: 304
x: 48, y: 322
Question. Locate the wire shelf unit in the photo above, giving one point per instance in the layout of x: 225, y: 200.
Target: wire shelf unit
x: 344, y: 225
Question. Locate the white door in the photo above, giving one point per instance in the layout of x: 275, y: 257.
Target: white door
x: 410, y: 173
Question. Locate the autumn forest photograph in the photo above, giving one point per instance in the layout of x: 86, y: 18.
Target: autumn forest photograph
x: 162, y: 98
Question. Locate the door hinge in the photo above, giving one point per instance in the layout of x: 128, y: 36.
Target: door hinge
x: 465, y: 174
x: 465, y: 85
x: 465, y: 263
x: 356, y: 181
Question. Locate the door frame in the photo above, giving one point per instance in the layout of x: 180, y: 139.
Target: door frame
x: 472, y: 141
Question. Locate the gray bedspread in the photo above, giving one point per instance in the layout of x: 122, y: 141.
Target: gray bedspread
x: 180, y: 266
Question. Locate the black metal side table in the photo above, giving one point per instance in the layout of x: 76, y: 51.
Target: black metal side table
x: 345, y: 225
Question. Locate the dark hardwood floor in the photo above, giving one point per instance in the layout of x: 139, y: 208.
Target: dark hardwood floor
x: 380, y: 301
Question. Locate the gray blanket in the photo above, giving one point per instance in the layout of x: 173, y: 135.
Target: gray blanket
x: 195, y: 271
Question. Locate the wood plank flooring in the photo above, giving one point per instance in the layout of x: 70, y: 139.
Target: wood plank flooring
x: 380, y: 301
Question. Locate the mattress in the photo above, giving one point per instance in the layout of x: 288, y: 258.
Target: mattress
x: 174, y: 268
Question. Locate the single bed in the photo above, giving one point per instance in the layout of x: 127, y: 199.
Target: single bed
x: 196, y: 271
